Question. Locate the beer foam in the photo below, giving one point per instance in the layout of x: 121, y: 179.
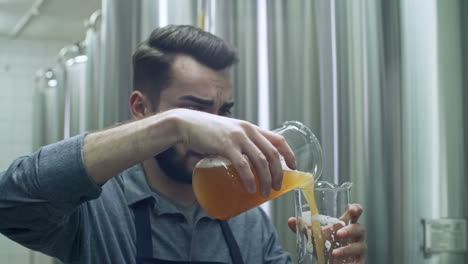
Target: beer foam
x: 327, y: 220
x: 327, y: 245
x: 212, y: 162
x: 323, y: 219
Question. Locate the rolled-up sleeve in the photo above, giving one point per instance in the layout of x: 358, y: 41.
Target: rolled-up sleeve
x: 61, y: 174
x: 40, y: 193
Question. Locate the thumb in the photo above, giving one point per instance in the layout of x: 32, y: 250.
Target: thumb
x: 292, y: 222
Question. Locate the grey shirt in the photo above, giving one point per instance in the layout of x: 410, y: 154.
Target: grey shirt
x: 49, y: 203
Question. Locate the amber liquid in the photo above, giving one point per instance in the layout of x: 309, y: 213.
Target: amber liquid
x: 308, y: 192
x: 221, y: 193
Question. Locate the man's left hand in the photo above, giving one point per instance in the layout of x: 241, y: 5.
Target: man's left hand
x: 354, y: 232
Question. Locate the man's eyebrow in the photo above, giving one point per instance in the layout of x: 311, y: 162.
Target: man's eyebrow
x: 203, y: 101
x: 197, y: 100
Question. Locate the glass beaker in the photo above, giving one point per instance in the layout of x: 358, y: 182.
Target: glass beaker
x: 318, y: 219
x: 220, y: 190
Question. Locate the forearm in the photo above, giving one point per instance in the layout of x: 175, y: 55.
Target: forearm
x: 108, y: 152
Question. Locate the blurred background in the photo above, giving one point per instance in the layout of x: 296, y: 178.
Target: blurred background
x: 383, y: 85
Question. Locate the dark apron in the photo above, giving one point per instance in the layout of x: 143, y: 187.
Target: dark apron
x: 144, y: 243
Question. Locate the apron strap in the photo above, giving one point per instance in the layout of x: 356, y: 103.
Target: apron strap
x: 144, y: 242
x: 234, y: 250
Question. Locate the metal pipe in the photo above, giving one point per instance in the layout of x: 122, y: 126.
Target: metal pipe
x: 94, y: 21
x: 26, y: 18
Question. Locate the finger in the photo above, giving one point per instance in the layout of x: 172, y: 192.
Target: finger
x: 352, y: 214
x: 354, y: 232
x: 353, y: 250
x: 280, y: 143
x: 260, y: 163
x: 243, y: 168
x: 345, y: 217
x: 272, y: 155
x: 292, y: 223
x: 355, y: 211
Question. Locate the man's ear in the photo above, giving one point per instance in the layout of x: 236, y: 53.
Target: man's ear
x: 140, y: 105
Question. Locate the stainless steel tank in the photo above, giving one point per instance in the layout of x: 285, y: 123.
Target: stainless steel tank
x: 93, y: 52
x: 392, y: 87
x: 73, y: 60
x: 48, y: 95
x: 38, y: 110
x: 84, y: 93
x: 119, y: 38
x: 392, y: 122
x: 294, y: 85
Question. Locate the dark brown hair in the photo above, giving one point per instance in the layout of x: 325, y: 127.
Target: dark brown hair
x: 153, y: 58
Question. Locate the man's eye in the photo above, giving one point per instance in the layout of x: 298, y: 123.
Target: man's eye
x: 196, y: 108
x: 225, y: 112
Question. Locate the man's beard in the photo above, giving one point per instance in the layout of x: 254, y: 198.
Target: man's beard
x: 174, y: 166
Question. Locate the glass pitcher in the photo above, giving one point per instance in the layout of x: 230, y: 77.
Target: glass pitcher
x: 318, y: 219
x: 220, y: 190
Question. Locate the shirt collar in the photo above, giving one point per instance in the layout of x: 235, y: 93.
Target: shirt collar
x: 134, y: 185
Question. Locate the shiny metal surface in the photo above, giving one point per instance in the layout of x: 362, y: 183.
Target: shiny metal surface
x: 432, y: 124
x: 48, y: 105
x: 38, y: 112
x: 182, y: 12
x: 391, y: 88
x: 464, y: 10
x: 118, y: 40
x: 359, y: 153
x: 159, y: 13
x: 94, y: 90
x: 149, y: 17
x: 294, y: 85
x: 73, y: 60
x: 401, y: 143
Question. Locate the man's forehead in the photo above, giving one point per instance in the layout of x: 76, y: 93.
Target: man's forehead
x: 193, y: 78
x: 185, y: 64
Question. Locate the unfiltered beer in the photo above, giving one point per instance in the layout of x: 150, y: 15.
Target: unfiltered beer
x: 221, y: 193
x: 317, y: 236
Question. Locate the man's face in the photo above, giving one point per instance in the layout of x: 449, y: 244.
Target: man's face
x: 197, y: 87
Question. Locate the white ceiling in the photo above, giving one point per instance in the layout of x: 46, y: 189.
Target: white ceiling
x: 57, y: 19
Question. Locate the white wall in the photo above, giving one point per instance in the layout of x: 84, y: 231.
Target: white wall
x: 19, y: 61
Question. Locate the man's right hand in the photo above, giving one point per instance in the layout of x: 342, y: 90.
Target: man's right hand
x: 239, y: 141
